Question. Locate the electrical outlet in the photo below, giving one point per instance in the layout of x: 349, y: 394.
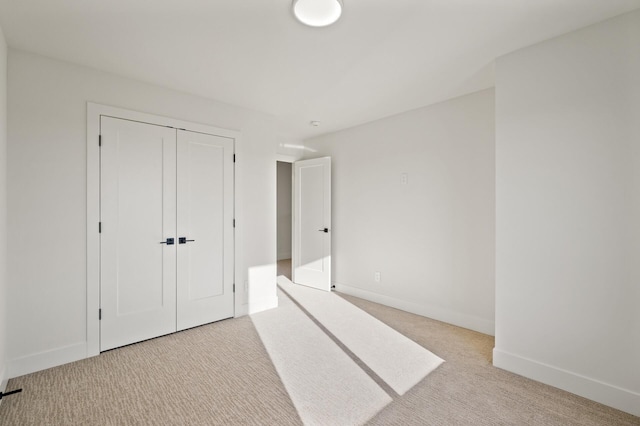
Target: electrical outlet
x: 376, y: 276
x: 404, y: 178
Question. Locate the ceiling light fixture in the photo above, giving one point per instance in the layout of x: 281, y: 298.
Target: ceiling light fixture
x: 317, y: 13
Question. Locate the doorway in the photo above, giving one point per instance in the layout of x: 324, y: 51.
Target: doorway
x: 311, y: 253
x: 303, y: 200
x: 284, y: 218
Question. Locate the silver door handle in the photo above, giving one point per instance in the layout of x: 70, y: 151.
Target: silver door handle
x: 325, y: 230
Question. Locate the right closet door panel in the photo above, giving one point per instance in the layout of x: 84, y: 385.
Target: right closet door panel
x: 204, y: 228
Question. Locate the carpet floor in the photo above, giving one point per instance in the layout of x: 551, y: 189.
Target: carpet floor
x: 222, y: 374
x: 400, y: 362
x: 326, y: 386
x: 469, y: 390
x: 211, y: 375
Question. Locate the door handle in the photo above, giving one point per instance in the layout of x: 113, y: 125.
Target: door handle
x: 325, y: 230
x: 183, y: 240
x: 169, y: 241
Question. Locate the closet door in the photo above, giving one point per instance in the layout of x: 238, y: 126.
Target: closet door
x: 138, y: 215
x: 205, y: 229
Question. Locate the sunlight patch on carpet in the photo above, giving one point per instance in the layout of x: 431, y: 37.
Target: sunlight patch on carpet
x: 396, y: 359
x: 326, y: 386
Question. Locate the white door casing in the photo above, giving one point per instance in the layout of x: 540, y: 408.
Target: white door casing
x: 167, y: 216
x: 311, y: 259
x: 138, y: 198
x: 205, y: 215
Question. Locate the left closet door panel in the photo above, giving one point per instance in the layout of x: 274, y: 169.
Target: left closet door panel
x: 138, y: 215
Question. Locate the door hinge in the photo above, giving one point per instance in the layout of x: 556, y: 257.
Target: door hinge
x: 234, y: 287
x: 234, y: 158
x: 99, y: 227
x: 99, y: 140
x: 99, y: 314
x: 234, y: 223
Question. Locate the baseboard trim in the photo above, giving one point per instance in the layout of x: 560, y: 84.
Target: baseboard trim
x: 435, y: 312
x: 595, y: 390
x: 47, y: 359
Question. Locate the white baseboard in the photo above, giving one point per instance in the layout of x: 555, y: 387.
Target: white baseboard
x: 435, y: 312
x: 595, y: 390
x: 43, y: 360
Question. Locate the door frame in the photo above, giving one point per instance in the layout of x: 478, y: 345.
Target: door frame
x: 282, y: 158
x: 94, y: 112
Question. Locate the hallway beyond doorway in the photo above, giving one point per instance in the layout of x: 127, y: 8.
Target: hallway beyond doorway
x: 284, y: 268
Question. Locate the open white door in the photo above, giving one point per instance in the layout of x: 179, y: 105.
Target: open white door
x: 311, y: 259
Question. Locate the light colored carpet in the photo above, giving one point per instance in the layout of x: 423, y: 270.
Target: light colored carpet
x: 469, y: 390
x: 221, y: 374
x: 397, y: 360
x: 217, y: 374
x: 325, y: 384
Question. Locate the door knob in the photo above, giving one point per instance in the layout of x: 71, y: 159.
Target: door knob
x: 325, y: 230
x: 183, y: 240
x: 169, y: 241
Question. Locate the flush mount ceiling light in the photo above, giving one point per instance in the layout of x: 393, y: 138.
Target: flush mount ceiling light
x: 317, y: 13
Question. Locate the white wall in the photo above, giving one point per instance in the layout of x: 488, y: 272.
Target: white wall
x: 47, y: 197
x: 284, y: 210
x: 3, y: 212
x: 431, y: 239
x: 568, y: 212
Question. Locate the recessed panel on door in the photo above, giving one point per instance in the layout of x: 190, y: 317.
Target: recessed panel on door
x: 205, y: 228
x: 138, y: 275
x: 312, y: 208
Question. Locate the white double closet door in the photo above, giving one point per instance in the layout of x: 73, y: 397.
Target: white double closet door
x: 166, y: 241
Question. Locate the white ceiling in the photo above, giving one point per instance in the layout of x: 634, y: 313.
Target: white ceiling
x: 383, y: 57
